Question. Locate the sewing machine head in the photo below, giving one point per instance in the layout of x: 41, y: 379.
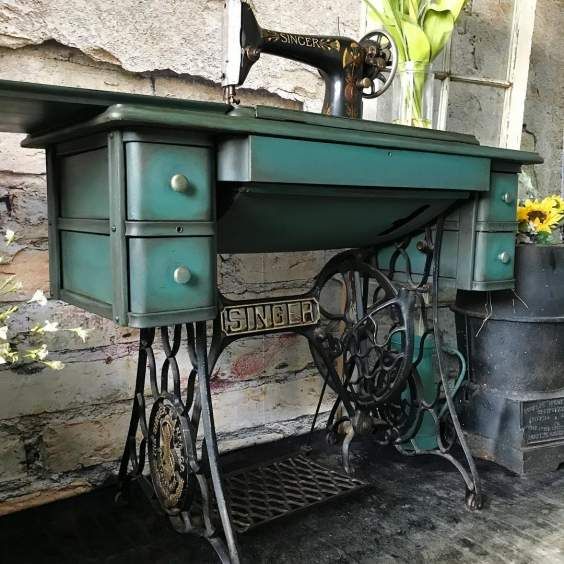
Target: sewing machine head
x: 352, y: 70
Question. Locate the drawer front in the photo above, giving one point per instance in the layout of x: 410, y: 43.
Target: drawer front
x: 171, y: 274
x: 84, y: 185
x: 168, y: 182
x: 500, y: 204
x: 86, y: 265
x: 495, y: 256
x: 290, y: 161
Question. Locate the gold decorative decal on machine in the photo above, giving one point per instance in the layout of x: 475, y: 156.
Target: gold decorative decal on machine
x: 327, y: 44
x: 244, y: 319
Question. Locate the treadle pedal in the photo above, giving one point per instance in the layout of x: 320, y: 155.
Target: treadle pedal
x: 263, y: 493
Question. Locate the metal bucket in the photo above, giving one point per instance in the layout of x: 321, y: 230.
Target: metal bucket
x: 514, y: 343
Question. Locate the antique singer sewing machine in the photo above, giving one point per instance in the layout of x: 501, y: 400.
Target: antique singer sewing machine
x: 143, y: 193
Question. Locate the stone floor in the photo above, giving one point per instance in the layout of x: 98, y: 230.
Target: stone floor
x: 412, y: 512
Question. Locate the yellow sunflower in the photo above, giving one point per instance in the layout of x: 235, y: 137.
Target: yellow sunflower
x: 557, y: 202
x: 539, y: 216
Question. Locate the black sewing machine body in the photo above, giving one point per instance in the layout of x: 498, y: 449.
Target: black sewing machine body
x: 347, y: 66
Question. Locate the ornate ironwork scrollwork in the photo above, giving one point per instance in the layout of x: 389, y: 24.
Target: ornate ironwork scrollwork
x: 182, y: 476
x: 360, y: 321
x: 372, y: 339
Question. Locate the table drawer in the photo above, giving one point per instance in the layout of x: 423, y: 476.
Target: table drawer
x: 168, y: 182
x: 495, y: 255
x: 500, y: 203
x: 171, y: 274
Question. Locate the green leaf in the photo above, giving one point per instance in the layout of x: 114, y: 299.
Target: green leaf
x: 386, y: 17
x: 418, y: 46
x: 413, y: 10
x: 438, y: 26
x: 452, y: 6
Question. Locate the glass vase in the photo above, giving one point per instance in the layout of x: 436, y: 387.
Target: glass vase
x: 413, y: 95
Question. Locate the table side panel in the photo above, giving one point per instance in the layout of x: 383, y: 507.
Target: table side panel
x: 86, y: 265
x: 83, y: 184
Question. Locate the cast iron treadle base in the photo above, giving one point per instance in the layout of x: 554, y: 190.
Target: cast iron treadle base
x: 261, y: 494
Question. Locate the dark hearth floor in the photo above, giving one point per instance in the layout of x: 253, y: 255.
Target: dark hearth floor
x: 413, y: 512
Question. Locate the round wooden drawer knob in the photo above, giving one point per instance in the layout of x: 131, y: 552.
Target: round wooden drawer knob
x: 179, y: 183
x: 507, y: 198
x: 504, y: 257
x: 182, y: 275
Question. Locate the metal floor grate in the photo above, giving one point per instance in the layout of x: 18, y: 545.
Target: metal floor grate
x: 261, y: 494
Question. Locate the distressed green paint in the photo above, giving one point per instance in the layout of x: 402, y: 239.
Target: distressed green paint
x: 500, y: 204
x: 285, y: 181
x: 271, y: 159
x: 296, y: 116
x: 86, y: 265
x: 225, y: 126
x: 152, y: 262
x: 83, y: 181
x: 27, y: 106
x: 53, y: 231
x: 487, y: 266
x: 261, y: 218
x: 150, y: 167
x: 116, y: 181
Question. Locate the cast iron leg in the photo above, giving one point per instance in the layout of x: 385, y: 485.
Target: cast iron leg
x: 168, y: 441
x: 211, y: 441
x: 130, y: 453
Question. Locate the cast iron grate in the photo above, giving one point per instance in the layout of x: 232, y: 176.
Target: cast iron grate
x: 260, y: 494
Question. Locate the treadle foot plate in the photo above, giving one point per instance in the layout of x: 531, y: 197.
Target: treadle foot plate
x: 264, y: 493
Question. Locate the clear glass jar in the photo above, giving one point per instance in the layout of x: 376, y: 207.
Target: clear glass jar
x: 413, y: 95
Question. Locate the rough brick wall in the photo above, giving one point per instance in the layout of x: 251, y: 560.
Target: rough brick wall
x: 61, y: 432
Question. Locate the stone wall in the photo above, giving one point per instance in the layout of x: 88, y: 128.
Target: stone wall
x: 61, y: 432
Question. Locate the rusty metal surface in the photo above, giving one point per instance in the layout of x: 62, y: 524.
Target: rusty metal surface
x: 261, y: 494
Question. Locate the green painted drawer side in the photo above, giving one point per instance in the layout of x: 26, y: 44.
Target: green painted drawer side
x: 152, y: 262
x: 487, y: 265
x: 86, y: 269
x: 274, y: 160
x: 500, y: 204
x: 150, y: 166
x: 83, y: 185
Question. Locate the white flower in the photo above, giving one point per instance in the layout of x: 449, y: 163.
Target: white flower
x: 50, y: 327
x: 42, y: 352
x: 54, y: 364
x: 7, y: 354
x: 38, y: 297
x: 4, y: 332
x: 9, y: 236
x: 81, y: 332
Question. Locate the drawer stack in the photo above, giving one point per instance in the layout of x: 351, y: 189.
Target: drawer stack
x: 132, y: 234
x: 478, y: 242
x: 487, y: 228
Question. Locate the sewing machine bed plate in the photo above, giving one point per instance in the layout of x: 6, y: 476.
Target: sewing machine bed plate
x: 257, y: 180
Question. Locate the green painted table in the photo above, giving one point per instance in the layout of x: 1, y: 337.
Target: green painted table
x: 143, y: 192
x: 140, y: 186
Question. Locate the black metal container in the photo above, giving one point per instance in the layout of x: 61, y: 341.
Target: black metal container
x: 514, y: 342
